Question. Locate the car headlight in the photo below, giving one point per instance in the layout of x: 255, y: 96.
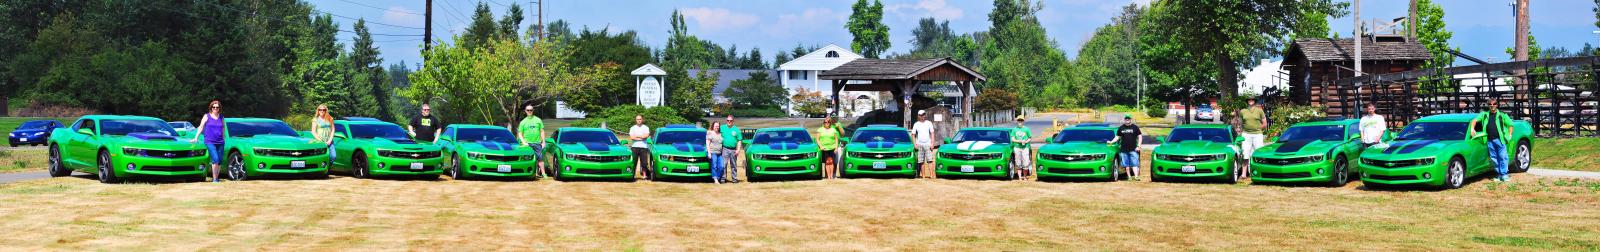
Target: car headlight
x: 811, y: 155
x: 1425, y: 161
x: 1317, y: 158
x: 569, y: 156
x: 527, y: 157
x: 13, y: 134
x: 41, y: 133
x: 385, y: 153
x: 133, y: 151
x: 260, y: 151
x: 1219, y: 156
x: 475, y: 155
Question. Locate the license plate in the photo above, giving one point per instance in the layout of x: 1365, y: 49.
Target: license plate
x: 503, y: 168
x: 1188, y: 169
x: 879, y: 165
x: 416, y: 166
x: 297, y: 164
x: 966, y: 168
x: 693, y: 169
x: 24, y: 139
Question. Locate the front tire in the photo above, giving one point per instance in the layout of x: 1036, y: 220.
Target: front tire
x: 107, y: 174
x: 1455, y: 174
x: 236, y: 169
x: 455, y: 168
x: 358, y: 166
x: 1341, y: 173
x: 1116, y: 174
x: 1522, y: 159
x: 55, y: 167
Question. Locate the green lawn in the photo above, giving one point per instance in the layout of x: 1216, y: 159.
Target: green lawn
x: 1577, y: 154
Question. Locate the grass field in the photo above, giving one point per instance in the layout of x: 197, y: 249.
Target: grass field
x: 1579, y: 154
x: 77, y: 213
x: 21, y: 160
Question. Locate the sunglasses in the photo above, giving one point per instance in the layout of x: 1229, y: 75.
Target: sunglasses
x: 322, y: 109
x: 216, y: 107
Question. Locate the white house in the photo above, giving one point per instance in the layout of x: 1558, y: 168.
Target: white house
x: 1267, y: 74
x: 801, y: 72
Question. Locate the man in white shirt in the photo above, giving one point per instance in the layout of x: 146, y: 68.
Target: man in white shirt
x: 1372, y: 127
x: 922, y: 132
x: 641, y: 151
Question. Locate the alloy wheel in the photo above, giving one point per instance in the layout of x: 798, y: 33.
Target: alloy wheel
x: 1457, y: 174
x: 236, y: 167
x: 1524, y: 158
x: 107, y: 174
x: 55, y: 162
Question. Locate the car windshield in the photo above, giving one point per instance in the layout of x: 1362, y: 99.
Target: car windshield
x: 997, y: 136
x: 34, y: 125
x: 1199, y: 134
x: 375, y: 131
x: 250, y: 129
x: 497, y: 135
x: 1097, y: 136
x: 180, y: 125
x: 893, y: 136
x: 1310, y: 133
x: 675, y: 137
x: 124, y: 127
x: 1434, y: 131
x: 782, y: 136
x: 574, y: 137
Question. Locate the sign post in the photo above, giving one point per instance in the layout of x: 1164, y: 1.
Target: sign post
x: 650, y: 85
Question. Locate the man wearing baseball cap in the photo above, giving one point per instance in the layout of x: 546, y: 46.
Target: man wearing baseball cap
x: 1127, y: 141
x: 1020, y: 157
x: 922, y: 133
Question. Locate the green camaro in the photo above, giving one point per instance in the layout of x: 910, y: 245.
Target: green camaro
x: 373, y: 148
x: 1436, y: 151
x: 779, y: 152
x: 1319, y: 152
x: 979, y: 152
x: 485, y: 151
x: 880, y: 150
x: 258, y: 147
x: 117, y: 147
x: 679, y: 151
x: 1197, y: 151
x: 590, y: 153
x: 1080, y: 152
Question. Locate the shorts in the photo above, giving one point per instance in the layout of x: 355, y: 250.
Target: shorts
x: 1128, y: 159
x: 1251, y: 142
x: 830, y: 155
x: 641, y: 156
x: 1020, y: 157
x: 215, y: 151
x: 925, y: 154
x: 538, y: 152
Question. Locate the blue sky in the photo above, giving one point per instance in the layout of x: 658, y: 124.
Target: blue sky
x: 1483, y: 28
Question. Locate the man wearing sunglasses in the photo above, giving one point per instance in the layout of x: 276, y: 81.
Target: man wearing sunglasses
x: 426, y: 124
x: 531, y: 132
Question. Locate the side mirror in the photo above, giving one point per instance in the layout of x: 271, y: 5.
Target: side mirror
x: 1238, y: 139
x: 1161, y: 139
x: 304, y: 134
x: 1272, y: 140
x: 626, y: 141
x: 86, y: 131
x: 340, y: 135
x: 1388, y: 136
x: 948, y: 140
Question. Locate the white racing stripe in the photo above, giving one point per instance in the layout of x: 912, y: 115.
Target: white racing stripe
x: 974, y: 145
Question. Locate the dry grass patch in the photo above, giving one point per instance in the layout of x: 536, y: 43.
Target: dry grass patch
x: 864, y: 214
x: 23, y: 159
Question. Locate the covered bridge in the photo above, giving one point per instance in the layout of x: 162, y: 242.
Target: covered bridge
x: 902, y: 77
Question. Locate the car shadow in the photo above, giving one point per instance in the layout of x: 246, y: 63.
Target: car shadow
x: 1396, y: 188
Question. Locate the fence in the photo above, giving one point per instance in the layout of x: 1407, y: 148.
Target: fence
x: 1001, y: 117
x: 1555, y: 95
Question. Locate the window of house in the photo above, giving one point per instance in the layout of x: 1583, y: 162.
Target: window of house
x: 832, y: 54
x: 798, y: 75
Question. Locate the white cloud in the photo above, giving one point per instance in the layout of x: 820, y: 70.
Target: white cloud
x: 937, y: 9
x: 719, y: 19
x: 401, y: 16
x: 795, y: 25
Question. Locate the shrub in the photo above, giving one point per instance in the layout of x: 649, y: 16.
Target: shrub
x: 1155, y: 108
x: 39, y: 109
x: 1284, y: 116
x: 995, y: 99
x: 298, y: 121
x: 618, y: 118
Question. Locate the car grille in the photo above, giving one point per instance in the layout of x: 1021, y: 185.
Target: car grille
x: 1184, y: 158
x: 168, y: 168
x: 686, y: 159
x: 1282, y: 161
x: 409, y: 154
x: 783, y: 169
x: 974, y: 169
x: 783, y: 157
x: 499, y: 158
x: 982, y: 156
x: 1396, y: 163
x: 1071, y: 171
x: 598, y: 171
x: 599, y: 159
x: 880, y: 155
x: 1072, y: 157
x: 1392, y: 178
x: 171, y: 154
x: 497, y: 170
x: 1289, y: 175
x: 288, y: 167
x: 293, y: 153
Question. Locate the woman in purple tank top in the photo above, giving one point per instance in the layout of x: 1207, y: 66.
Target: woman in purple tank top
x: 211, y: 130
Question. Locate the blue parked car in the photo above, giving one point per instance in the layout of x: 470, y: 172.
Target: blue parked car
x: 35, y: 132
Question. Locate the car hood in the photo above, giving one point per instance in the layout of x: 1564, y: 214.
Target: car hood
x: 386, y: 144
x: 679, y: 148
x: 783, y: 148
x: 592, y: 148
x: 151, y: 141
x: 1297, y: 148
x: 975, y: 147
x: 879, y: 146
x: 1410, y: 149
x: 1077, y: 148
x: 1195, y: 148
x: 276, y: 142
x: 495, y: 148
x: 30, y: 131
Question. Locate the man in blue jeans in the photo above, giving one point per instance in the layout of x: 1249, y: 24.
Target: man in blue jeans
x: 1127, y: 140
x: 1497, y: 130
x: 731, y: 139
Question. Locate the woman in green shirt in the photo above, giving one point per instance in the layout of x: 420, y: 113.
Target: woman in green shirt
x: 322, y: 129
x: 828, y: 141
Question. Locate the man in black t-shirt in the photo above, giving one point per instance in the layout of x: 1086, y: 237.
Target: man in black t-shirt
x: 1127, y: 141
x: 426, y: 124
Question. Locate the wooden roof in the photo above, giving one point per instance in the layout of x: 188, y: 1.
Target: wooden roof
x: 941, y: 69
x: 1319, y: 50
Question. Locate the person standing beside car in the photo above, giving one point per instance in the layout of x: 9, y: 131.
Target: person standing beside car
x: 1253, y: 121
x: 322, y: 129
x: 732, y: 142
x: 714, y: 151
x: 1497, y: 129
x: 1021, y: 140
x: 1372, y: 127
x: 922, y: 132
x: 828, y: 142
x: 531, y: 133
x: 1127, y: 140
x: 211, y: 127
x: 427, y: 124
x: 641, y: 150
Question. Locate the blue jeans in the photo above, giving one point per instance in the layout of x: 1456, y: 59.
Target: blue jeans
x: 730, y: 159
x: 215, y: 151
x: 1497, y: 154
x: 1128, y: 159
x: 332, y: 155
x: 716, y: 166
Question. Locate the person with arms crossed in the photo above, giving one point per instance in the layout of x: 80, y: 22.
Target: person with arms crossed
x: 641, y: 150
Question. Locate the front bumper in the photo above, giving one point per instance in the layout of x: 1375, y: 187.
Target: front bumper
x: 259, y: 165
x: 1321, y: 171
x: 388, y: 166
x: 1078, y: 169
x: 905, y: 166
x: 980, y: 168
x: 584, y: 169
x: 29, y: 140
x: 1208, y: 169
x: 804, y: 166
x: 681, y: 169
x: 1429, y: 175
x: 159, y: 167
x: 487, y: 168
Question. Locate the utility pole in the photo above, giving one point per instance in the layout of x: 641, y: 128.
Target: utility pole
x: 539, y: 4
x: 1411, y: 22
x: 427, y: 26
x: 1358, y: 38
x: 1522, y: 46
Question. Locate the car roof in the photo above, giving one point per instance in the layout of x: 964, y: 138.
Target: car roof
x: 581, y: 129
x: 364, y: 119
x: 680, y: 126
x: 34, y: 121
x: 1202, y: 126
x: 253, y: 120
x: 985, y: 128
x: 1090, y: 128
x: 1463, y: 117
x: 1085, y: 125
x: 348, y: 122
x: 881, y: 127
x: 1327, y: 123
x: 679, y: 129
x: 120, y: 117
x: 781, y: 129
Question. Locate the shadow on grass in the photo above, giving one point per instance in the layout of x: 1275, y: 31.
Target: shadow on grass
x: 1397, y: 188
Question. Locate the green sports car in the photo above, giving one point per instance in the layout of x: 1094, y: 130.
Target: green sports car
x: 679, y: 151
x: 484, y: 151
x: 1436, y: 151
x: 782, y: 152
x: 1080, y: 152
x: 258, y: 147
x: 375, y: 149
x: 590, y: 153
x: 118, y: 147
x: 976, y: 152
x: 880, y: 150
x: 1197, y: 151
x: 1319, y: 152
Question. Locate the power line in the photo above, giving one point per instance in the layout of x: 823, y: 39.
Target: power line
x: 317, y: 11
x: 278, y: 19
x: 498, y: 3
x: 456, y: 13
x: 369, y: 22
x: 381, y: 8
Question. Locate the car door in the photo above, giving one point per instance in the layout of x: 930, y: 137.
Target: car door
x: 1475, y: 150
x: 447, y: 142
x: 1352, y: 143
x: 342, y: 146
x: 77, y: 148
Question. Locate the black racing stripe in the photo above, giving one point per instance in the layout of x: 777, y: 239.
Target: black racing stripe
x: 1416, y: 145
x: 1293, y: 146
x: 1397, y: 146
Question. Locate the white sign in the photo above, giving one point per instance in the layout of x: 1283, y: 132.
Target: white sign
x: 650, y: 92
